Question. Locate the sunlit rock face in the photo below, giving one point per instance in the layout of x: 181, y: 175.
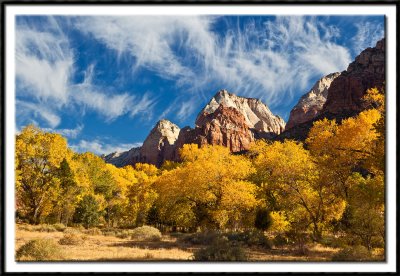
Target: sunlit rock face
x: 121, y: 159
x: 225, y: 126
x: 256, y: 114
x: 227, y: 120
x: 159, y: 144
x: 310, y: 105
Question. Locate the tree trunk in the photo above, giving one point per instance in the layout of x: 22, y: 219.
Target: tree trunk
x: 36, y: 215
x: 317, y: 233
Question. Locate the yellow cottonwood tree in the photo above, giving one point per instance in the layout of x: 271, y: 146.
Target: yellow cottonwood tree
x: 209, y: 189
x: 367, y: 210
x: 140, y: 192
x: 291, y: 182
x: 38, y: 157
x: 339, y: 149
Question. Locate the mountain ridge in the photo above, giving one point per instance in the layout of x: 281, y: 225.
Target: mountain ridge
x: 235, y: 122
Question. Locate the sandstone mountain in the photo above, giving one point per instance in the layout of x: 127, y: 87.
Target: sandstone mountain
x: 235, y: 122
x: 227, y: 120
x: 366, y: 71
x: 256, y: 114
x: 345, y: 93
x: 225, y: 126
x: 159, y: 144
x: 310, y: 104
x: 158, y: 147
x: 120, y: 159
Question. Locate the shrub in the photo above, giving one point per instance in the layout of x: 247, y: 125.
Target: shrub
x: 124, y: 234
x: 71, y: 239
x: 221, y: 250
x: 109, y: 231
x: 45, y: 228
x: 250, y: 238
x: 356, y: 253
x: 281, y: 240
x: 93, y: 231
x: 331, y: 241
x: 200, y: 238
x: 59, y: 227
x: 25, y: 227
x: 146, y: 233
x: 72, y: 230
x: 40, y: 250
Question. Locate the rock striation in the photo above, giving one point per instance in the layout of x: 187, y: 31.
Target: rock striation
x: 225, y: 126
x: 366, y: 71
x: 345, y: 93
x: 310, y: 104
x: 159, y: 144
x: 227, y: 120
x: 121, y: 159
x: 256, y: 114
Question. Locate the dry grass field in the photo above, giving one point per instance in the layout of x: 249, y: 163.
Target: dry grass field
x: 111, y: 248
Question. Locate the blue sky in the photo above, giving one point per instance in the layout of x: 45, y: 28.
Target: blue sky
x: 103, y: 82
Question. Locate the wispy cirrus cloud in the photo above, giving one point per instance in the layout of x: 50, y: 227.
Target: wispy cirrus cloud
x: 45, y: 66
x: 100, y: 147
x: 267, y: 60
x: 67, y: 132
x: 28, y: 113
x: 368, y: 33
x: 111, y: 105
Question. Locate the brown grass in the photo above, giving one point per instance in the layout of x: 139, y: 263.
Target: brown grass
x: 111, y: 248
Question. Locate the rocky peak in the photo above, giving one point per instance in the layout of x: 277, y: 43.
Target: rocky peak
x: 256, y: 114
x: 165, y: 128
x: 225, y: 126
x: 310, y: 104
x: 346, y: 91
x: 366, y: 71
x: 121, y: 159
x: 158, y: 145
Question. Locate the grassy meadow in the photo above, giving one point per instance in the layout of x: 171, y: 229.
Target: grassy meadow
x: 79, y: 244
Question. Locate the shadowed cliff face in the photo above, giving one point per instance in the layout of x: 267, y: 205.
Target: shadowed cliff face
x: 366, y: 71
x: 345, y: 93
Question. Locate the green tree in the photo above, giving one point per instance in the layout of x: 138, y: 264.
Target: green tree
x: 88, y: 211
x: 67, y: 194
x: 366, y: 208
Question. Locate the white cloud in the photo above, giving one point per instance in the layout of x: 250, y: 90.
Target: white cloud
x: 44, y: 64
x: 367, y: 35
x: 267, y: 61
x: 99, y: 147
x: 110, y: 105
x: 69, y: 133
x: 44, y: 69
x: 185, y: 109
x: 28, y: 112
x: 149, y: 39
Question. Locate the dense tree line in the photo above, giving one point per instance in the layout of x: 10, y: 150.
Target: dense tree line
x: 331, y: 183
